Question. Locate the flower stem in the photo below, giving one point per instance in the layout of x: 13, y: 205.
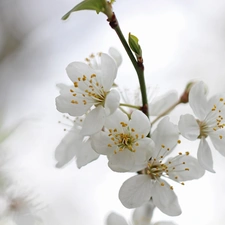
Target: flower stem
x: 166, y: 111
x: 137, y: 64
x: 130, y: 106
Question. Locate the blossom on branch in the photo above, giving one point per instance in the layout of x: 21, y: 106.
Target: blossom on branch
x: 75, y: 145
x: 209, y: 122
x: 91, y: 92
x: 124, y: 141
x: 140, y: 189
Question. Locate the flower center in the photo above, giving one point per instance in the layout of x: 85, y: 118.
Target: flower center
x: 123, y: 140
x: 88, y: 91
x: 204, y: 129
x: 155, y: 169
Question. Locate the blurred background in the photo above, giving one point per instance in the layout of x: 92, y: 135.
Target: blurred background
x: 181, y: 40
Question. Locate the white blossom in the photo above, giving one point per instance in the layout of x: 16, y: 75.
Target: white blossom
x: 19, y: 206
x: 209, y: 122
x: 124, y: 141
x: 91, y: 92
x: 74, y: 144
x: 141, y: 216
x: 140, y: 189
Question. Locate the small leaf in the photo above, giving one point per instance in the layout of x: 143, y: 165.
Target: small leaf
x: 133, y: 42
x: 96, y: 5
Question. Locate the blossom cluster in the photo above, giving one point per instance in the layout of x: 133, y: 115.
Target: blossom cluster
x: 131, y: 143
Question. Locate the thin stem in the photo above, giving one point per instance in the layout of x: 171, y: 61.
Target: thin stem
x: 130, y: 106
x: 125, y: 112
x: 137, y: 64
x: 166, y: 111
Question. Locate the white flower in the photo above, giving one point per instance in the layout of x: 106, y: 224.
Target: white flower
x: 75, y: 145
x: 19, y: 206
x: 141, y: 216
x: 124, y: 141
x: 141, y: 188
x: 157, y: 104
x: 91, y: 91
x: 210, y: 122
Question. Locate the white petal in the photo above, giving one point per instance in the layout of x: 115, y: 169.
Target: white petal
x: 94, y: 121
x: 113, y: 121
x: 189, y: 127
x: 136, y: 191
x: 205, y: 156
x: 197, y: 100
x: 165, y: 134
x: 64, y: 105
x: 109, y: 71
x: 115, y: 54
x: 143, y: 214
x: 115, y: 219
x: 143, y: 153
x: 112, y: 101
x: 85, y: 154
x: 122, y: 161
x: 73, y: 145
x: 161, y: 103
x: 186, y: 168
x: 66, y: 150
x: 78, y: 69
x: 99, y: 143
x: 165, y: 223
x: 218, y: 140
x: 165, y: 199
x: 140, y: 123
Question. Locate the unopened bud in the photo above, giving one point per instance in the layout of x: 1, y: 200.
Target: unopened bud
x: 185, y: 96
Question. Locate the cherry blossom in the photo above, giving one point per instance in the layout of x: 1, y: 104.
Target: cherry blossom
x: 140, y: 189
x: 124, y: 141
x: 74, y: 144
x: 209, y: 123
x: 91, y: 92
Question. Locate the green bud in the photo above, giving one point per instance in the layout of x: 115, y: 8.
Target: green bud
x: 96, y: 5
x: 136, y: 48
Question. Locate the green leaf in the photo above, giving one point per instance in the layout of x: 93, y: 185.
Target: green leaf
x: 96, y: 5
x: 133, y: 42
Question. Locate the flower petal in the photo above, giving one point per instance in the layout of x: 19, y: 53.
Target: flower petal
x: 165, y: 223
x: 189, y: 127
x: 114, y: 121
x: 109, y: 71
x: 140, y: 123
x: 218, y: 140
x: 73, y: 145
x: 166, y: 134
x: 143, y: 153
x: 115, y: 219
x: 64, y: 105
x: 143, y: 214
x: 122, y: 161
x: 136, y: 191
x: 161, y: 103
x: 197, y: 100
x: 94, y: 121
x: 99, y: 143
x: 78, y: 69
x: 205, y: 156
x: 115, y: 54
x: 185, y: 167
x: 85, y: 154
x: 165, y: 199
x: 112, y: 101
x: 66, y: 150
